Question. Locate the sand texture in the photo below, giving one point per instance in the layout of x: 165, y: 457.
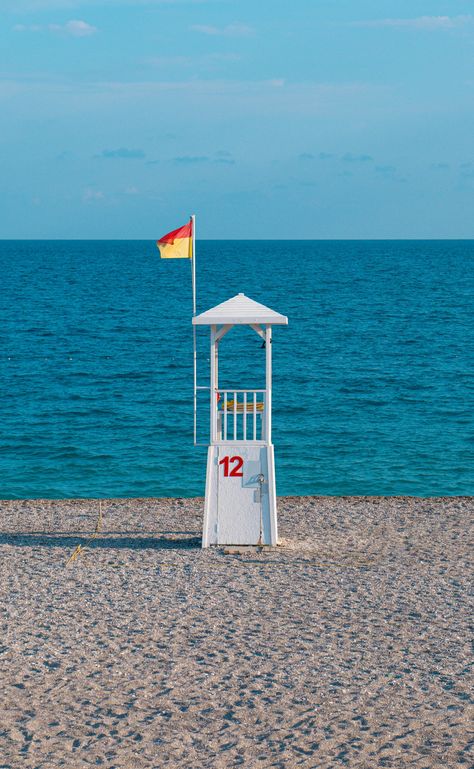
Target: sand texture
x: 348, y: 646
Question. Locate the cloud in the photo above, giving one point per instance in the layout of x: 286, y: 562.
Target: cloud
x: 347, y: 158
x: 224, y: 56
x: 321, y: 156
x: 90, y: 194
x: 222, y: 157
x: 421, y: 22
x: 440, y: 166
x: 131, y: 191
x: 467, y: 170
x: 206, y: 62
x: 389, y: 173
x: 122, y: 152
x: 28, y: 28
x: 231, y: 30
x: 186, y: 160
x: 27, y: 6
x: 73, y: 28
x: 350, y: 158
x: 234, y: 97
x: 169, y: 61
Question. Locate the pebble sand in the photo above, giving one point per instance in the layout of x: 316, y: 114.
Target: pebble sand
x: 347, y: 646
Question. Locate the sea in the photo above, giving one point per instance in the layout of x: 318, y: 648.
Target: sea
x: 373, y: 378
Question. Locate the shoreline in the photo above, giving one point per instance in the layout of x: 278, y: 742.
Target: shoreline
x: 281, y: 497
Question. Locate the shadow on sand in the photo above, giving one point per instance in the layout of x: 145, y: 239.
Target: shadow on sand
x: 161, y: 541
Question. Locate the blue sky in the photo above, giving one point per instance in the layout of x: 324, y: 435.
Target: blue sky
x: 311, y: 119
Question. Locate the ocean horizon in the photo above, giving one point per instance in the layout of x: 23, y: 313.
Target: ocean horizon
x: 373, y: 382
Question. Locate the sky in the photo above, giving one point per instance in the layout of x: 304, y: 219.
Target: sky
x: 269, y: 119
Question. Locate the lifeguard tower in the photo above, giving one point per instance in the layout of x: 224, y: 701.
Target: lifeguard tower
x: 240, y: 507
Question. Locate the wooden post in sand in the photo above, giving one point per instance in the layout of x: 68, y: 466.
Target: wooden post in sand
x: 240, y: 507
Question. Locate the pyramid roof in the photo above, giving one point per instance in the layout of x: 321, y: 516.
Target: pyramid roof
x: 240, y: 309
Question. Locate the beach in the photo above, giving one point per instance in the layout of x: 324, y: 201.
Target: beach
x: 348, y: 645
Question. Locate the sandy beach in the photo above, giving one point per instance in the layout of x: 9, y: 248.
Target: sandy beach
x: 347, y: 646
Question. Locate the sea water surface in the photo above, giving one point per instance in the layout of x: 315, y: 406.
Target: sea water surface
x: 373, y: 378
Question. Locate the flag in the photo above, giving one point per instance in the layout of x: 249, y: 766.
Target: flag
x: 177, y: 244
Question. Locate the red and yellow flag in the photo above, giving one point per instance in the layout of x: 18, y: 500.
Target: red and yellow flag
x: 177, y: 244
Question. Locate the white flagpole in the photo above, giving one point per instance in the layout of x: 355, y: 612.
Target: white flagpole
x: 193, y: 260
x: 193, y: 271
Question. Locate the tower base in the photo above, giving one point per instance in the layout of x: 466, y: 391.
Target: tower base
x: 240, y: 507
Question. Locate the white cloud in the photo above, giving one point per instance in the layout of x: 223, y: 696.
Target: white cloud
x: 192, y: 61
x: 28, y: 6
x: 74, y: 28
x: 77, y: 28
x: 224, y: 56
x: 421, y: 22
x: 28, y: 28
x: 169, y: 61
x: 213, y: 95
x: 231, y: 30
x: 91, y: 194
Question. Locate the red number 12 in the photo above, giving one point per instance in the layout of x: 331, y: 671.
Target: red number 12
x: 234, y: 473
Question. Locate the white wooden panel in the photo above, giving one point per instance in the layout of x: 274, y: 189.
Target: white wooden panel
x: 242, y: 514
x: 209, y: 532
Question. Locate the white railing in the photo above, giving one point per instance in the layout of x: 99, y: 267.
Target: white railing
x: 240, y: 415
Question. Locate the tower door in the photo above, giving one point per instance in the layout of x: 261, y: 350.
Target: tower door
x: 242, y: 494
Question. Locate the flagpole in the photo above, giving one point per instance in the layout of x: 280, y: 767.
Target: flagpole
x: 193, y: 272
x: 193, y: 261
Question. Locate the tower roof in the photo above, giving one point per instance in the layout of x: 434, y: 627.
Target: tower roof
x: 239, y: 310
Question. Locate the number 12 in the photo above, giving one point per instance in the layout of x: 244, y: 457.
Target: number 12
x: 234, y: 473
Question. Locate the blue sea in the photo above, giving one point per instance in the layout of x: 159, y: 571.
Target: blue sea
x: 373, y: 377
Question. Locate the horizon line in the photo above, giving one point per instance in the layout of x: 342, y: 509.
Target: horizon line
x: 249, y: 239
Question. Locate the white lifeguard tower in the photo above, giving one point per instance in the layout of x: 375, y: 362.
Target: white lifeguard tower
x: 240, y: 507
